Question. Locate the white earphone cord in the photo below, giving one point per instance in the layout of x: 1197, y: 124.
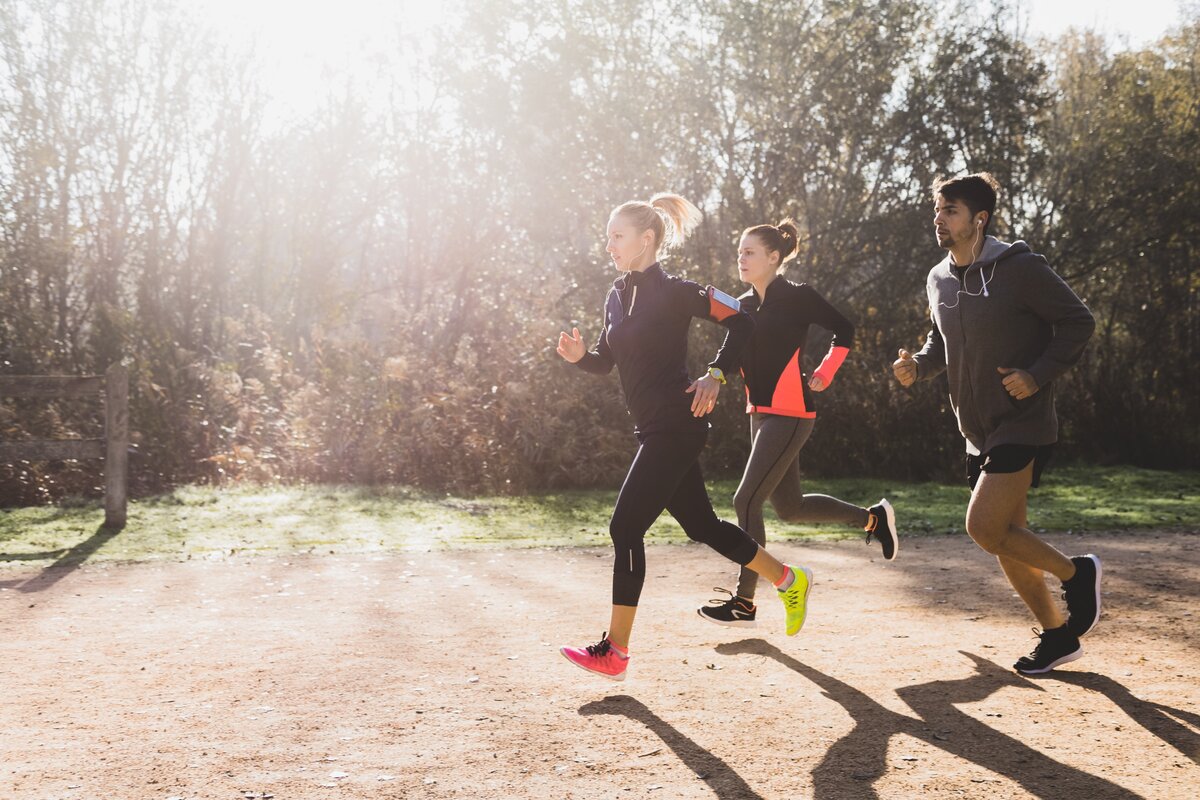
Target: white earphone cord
x: 982, y: 277
x: 625, y: 277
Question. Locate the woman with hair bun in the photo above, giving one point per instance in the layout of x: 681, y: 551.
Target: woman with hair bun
x: 780, y: 405
x: 647, y: 314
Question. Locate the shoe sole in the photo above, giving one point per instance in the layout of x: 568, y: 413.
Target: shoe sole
x: 1068, y: 658
x: 737, y: 623
x: 891, y: 520
x: 807, y: 589
x: 570, y: 660
x: 1099, y: 573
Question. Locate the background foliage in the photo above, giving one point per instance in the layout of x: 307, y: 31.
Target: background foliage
x: 370, y: 294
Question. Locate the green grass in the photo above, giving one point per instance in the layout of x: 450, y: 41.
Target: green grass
x: 205, y: 522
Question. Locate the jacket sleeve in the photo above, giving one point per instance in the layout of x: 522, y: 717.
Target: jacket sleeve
x: 599, y: 360
x: 1050, y: 298
x: 818, y: 310
x: 931, y: 360
x: 708, y: 302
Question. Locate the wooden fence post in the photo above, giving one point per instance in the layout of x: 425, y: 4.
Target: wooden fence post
x: 116, y: 434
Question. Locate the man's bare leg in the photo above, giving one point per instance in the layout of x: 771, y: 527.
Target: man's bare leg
x: 998, y: 501
x: 1030, y: 582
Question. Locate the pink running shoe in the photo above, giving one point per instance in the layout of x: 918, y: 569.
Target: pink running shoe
x: 599, y: 658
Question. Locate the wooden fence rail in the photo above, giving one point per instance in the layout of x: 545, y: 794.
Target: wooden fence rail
x: 113, y: 448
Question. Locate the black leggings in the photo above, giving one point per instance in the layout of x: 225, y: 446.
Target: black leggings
x: 665, y: 474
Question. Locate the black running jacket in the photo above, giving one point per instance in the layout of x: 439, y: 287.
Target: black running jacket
x: 772, y: 364
x: 645, y: 330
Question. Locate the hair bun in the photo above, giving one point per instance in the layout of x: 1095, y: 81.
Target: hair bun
x: 790, y: 236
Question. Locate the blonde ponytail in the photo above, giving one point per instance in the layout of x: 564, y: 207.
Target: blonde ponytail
x: 663, y: 208
x: 683, y: 216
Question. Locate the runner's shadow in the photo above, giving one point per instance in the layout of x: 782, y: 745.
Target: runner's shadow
x: 32, y: 556
x: 66, y: 563
x: 861, y: 755
x: 1163, y: 721
x: 13, y: 583
x: 712, y: 770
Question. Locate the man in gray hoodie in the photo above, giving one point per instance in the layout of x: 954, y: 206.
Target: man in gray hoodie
x: 1005, y: 325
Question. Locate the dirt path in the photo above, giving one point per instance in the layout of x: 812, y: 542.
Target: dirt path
x: 436, y: 675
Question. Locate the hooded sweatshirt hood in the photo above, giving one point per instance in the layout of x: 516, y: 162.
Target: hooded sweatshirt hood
x: 993, y: 250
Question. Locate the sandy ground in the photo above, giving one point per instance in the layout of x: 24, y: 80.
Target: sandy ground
x: 437, y: 675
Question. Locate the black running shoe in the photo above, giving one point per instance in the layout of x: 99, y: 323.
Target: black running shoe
x: 883, y: 528
x: 732, y: 613
x: 1082, y: 594
x: 1056, y: 647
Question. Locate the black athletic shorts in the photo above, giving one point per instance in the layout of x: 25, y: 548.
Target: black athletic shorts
x: 1008, y: 458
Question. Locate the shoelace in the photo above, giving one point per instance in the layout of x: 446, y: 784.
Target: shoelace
x: 601, y: 648
x: 790, y: 598
x: 1041, y: 637
x: 723, y: 601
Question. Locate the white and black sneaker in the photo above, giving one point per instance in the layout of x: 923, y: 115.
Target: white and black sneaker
x: 734, y: 612
x: 1055, y: 648
x: 1082, y: 594
x: 881, y: 525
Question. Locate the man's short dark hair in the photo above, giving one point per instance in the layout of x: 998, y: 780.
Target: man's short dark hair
x: 977, y: 191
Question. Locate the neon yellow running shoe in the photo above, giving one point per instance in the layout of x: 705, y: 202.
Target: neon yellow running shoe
x: 795, y: 598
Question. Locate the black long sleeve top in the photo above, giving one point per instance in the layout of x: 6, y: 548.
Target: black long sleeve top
x: 772, y: 363
x: 644, y: 334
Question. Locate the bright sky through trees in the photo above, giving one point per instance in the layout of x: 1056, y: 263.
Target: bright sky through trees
x: 302, y: 44
x: 1141, y: 22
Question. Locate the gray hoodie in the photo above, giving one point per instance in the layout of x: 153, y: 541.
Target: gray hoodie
x: 1028, y: 319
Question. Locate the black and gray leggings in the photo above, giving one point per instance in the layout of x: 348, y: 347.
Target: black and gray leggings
x: 773, y: 472
x: 665, y: 474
